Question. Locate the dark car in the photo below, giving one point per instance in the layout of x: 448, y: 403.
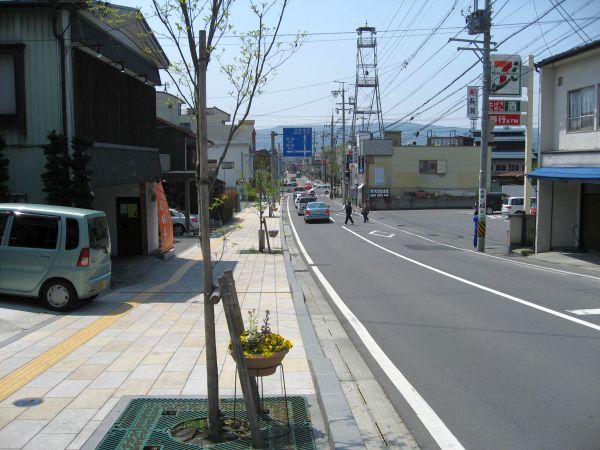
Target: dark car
x: 493, y: 202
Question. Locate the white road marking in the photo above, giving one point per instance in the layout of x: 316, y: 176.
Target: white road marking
x: 438, y: 430
x: 584, y: 312
x: 382, y: 234
x: 487, y: 255
x: 480, y: 286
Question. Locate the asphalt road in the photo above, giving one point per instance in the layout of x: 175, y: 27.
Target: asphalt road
x: 476, y: 350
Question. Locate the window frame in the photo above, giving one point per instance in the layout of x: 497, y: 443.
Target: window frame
x: 19, y: 117
x: 579, y: 117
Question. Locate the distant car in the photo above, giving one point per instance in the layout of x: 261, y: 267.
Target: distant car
x: 308, y: 186
x: 298, y: 189
x: 321, y: 189
x: 178, y: 219
x: 513, y: 206
x: 302, y: 202
x: 300, y: 195
x: 493, y: 202
x: 316, y: 211
x: 292, y: 178
x: 533, y: 207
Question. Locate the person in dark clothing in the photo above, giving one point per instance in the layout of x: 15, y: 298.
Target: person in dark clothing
x: 365, y: 212
x: 349, y: 213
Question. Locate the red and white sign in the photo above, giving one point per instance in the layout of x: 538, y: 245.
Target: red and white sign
x: 506, y: 119
x: 472, y: 102
x: 505, y: 76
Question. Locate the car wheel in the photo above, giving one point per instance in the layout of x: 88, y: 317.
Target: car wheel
x: 178, y: 229
x: 519, y: 213
x: 58, y: 295
x: 489, y: 210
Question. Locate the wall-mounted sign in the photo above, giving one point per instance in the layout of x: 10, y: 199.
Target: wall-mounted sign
x: 379, y: 192
x: 361, y: 164
x: 472, y: 102
x: 505, y: 76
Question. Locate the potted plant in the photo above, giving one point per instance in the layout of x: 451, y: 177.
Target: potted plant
x: 273, y: 233
x: 263, y: 349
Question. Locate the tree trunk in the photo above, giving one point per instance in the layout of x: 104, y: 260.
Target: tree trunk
x: 203, y: 213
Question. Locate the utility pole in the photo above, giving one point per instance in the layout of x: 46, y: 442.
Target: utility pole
x: 345, y: 180
x: 480, y: 22
x: 203, y: 186
x: 333, y: 160
x: 485, y: 129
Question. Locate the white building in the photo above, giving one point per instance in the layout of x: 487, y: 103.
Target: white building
x: 568, y: 215
x: 237, y: 163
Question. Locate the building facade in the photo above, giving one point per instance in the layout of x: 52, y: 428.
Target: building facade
x: 65, y: 69
x: 568, y: 175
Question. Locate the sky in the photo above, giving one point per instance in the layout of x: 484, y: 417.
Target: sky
x: 415, y: 61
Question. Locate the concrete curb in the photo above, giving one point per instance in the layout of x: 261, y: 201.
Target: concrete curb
x: 341, y: 427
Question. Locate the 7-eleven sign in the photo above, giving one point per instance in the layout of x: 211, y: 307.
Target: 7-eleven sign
x: 505, y: 76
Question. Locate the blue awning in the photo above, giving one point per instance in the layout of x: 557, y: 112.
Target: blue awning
x: 579, y: 174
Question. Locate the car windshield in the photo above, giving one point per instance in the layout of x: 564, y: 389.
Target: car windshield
x: 316, y: 205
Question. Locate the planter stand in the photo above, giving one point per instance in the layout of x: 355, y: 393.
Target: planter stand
x: 261, y: 373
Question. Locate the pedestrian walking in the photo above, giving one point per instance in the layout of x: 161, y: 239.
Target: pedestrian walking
x: 365, y: 212
x: 349, y: 213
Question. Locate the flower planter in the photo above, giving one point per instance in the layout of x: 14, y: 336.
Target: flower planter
x: 273, y: 233
x: 260, y: 366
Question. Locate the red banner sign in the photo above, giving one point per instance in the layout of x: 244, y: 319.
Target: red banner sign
x: 506, y: 119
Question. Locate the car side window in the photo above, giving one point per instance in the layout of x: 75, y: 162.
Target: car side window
x: 34, y: 232
x: 3, y: 222
x: 72, y: 234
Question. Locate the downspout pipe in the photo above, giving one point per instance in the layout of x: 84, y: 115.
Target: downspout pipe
x: 63, y: 86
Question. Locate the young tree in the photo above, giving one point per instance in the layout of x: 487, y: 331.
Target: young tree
x: 4, y: 193
x: 195, y: 28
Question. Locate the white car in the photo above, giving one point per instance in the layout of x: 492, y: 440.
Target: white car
x: 513, y: 206
x: 178, y: 219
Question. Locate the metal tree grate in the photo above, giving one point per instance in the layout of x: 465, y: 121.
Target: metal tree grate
x: 146, y: 422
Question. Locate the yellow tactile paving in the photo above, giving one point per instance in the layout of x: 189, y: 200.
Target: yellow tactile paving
x: 23, y: 375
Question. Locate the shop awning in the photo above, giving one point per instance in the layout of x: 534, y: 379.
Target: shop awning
x: 578, y: 174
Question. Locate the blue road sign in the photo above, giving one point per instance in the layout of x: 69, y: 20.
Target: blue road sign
x: 297, y: 142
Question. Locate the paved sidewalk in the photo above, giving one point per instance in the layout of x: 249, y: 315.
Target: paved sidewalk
x: 144, y: 338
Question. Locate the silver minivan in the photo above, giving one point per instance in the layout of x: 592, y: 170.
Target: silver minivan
x: 56, y: 253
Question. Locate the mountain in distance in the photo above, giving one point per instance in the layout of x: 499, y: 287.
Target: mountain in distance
x: 408, y: 129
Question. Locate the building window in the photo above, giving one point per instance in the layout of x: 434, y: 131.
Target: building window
x: 428, y: 166
x: 581, y: 109
x: 432, y: 166
x: 500, y: 167
x: 514, y: 167
x: 12, y: 85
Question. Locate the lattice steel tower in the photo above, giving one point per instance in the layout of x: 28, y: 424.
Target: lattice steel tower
x: 367, y: 101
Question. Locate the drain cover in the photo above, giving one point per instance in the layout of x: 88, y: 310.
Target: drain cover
x: 31, y: 401
x: 301, y: 270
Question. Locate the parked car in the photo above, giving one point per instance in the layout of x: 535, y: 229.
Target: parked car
x: 302, y: 202
x: 493, y: 202
x: 178, y: 219
x: 56, y: 253
x: 316, y: 211
x: 513, y: 206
